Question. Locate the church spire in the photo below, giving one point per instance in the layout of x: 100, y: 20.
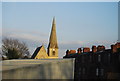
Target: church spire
x: 53, y: 20
x: 53, y: 36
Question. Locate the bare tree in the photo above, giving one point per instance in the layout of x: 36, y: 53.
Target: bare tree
x: 14, y: 49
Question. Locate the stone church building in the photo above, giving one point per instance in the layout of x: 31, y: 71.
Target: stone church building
x: 52, y: 50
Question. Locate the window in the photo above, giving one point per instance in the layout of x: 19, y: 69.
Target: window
x: 53, y: 52
x: 99, y: 58
x: 99, y: 72
x: 79, y: 71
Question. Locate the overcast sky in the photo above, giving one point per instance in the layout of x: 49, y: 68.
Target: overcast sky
x: 78, y: 24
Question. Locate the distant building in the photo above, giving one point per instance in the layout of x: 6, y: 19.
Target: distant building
x: 86, y: 50
x: 52, y: 50
x: 99, y: 63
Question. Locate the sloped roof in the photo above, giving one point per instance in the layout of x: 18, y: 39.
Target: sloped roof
x: 53, y: 36
x: 36, y: 52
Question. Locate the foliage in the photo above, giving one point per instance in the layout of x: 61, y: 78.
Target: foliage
x: 14, y: 49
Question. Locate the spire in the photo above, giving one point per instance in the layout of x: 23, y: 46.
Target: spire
x: 53, y: 36
x: 53, y: 20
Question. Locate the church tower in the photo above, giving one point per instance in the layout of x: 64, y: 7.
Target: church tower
x: 53, y: 45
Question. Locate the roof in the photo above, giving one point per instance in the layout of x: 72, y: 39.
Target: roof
x: 36, y: 52
x: 75, y: 55
x: 53, y: 36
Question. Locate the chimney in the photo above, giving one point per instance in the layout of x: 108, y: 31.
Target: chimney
x: 79, y: 50
x: 114, y: 48
x: 67, y: 52
x: 100, y: 48
x: 86, y: 49
x: 94, y: 49
x: 118, y: 44
x: 72, y: 51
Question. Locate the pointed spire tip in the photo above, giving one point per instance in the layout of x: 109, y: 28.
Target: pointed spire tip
x: 54, y: 20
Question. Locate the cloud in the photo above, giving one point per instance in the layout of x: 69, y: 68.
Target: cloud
x: 35, y: 39
x: 32, y: 38
x: 70, y: 44
x: 78, y: 44
x: 29, y: 35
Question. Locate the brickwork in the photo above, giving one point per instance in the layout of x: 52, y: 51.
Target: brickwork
x: 100, y: 48
x: 100, y: 63
x: 118, y: 45
x: 72, y: 51
x: 86, y: 49
x: 114, y: 48
x: 97, y: 66
x: 94, y: 49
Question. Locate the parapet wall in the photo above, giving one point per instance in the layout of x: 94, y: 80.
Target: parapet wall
x: 38, y: 69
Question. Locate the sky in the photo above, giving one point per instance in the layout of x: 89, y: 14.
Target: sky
x: 78, y: 24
